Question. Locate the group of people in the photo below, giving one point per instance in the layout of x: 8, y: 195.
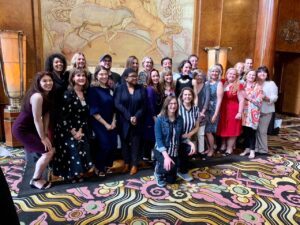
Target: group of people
x: 73, y: 119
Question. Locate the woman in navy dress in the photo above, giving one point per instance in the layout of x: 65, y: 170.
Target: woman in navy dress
x: 31, y: 126
x: 72, y: 159
x: 130, y: 100
x: 103, y: 121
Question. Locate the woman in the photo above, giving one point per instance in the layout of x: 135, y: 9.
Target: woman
x: 130, y: 104
x: 31, y: 126
x: 194, y: 61
x: 79, y: 61
x: 147, y: 64
x: 168, y: 138
x: 190, y: 114
x: 184, y: 80
x: 72, y: 160
x: 154, y: 103
x: 215, y: 99
x: 202, y: 94
x: 133, y: 63
x: 230, y: 124
x: 270, y: 91
x: 167, y: 83
x: 56, y: 64
x: 253, y: 100
x: 103, y: 121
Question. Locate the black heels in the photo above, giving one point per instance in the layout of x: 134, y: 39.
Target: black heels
x: 44, y: 187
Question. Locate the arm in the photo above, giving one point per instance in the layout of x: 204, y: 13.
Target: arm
x: 159, y: 136
x: 220, y: 93
x: 207, y: 98
x: 140, y: 112
x: 272, y: 95
x: 256, y: 98
x: 36, y: 101
x: 118, y: 103
x: 195, y: 91
x: 240, y: 96
x: 99, y: 118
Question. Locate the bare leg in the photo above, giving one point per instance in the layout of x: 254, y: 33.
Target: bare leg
x: 211, y: 141
x: 230, y: 144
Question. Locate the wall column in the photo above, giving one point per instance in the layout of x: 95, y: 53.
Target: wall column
x: 266, y: 33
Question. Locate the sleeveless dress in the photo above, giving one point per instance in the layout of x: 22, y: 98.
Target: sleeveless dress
x: 229, y: 126
x: 24, y: 129
x: 212, y: 127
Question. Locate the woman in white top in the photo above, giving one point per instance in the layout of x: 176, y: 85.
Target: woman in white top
x: 270, y: 92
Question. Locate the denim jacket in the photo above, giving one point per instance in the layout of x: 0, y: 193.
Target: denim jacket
x: 163, y: 133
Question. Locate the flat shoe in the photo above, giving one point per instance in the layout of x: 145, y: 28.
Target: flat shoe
x: 44, y: 187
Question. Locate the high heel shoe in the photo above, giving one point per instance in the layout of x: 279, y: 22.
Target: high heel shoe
x: 44, y: 187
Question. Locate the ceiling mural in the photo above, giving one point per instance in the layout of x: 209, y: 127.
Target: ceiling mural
x: 155, y: 28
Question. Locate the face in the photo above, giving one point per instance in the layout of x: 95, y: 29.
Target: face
x: 240, y: 68
x: 231, y: 76
x: 172, y: 106
x: 186, y: 69
x: 132, y: 78
x: 79, y: 79
x: 102, y: 76
x: 168, y: 78
x: 187, y: 96
x: 214, y: 74
x: 199, y: 78
x: 251, y: 76
x: 80, y: 62
x: 135, y: 65
x: 262, y: 75
x: 148, y: 65
x: 248, y: 64
x: 167, y: 64
x: 106, y: 63
x: 194, y: 62
x: 46, y: 83
x: 155, y: 77
x: 58, y: 65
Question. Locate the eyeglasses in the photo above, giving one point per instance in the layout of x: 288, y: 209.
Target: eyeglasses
x: 106, y: 60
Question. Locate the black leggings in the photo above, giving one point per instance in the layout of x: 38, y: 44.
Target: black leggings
x: 250, y: 138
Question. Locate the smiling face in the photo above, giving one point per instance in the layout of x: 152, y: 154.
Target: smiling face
x: 106, y: 63
x: 262, y: 76
x: 248, y: 64
x: 79, y: 79
x: 251, y: 76
x: 231, y: 75
x: 102, y: 76
x: 167, y: 64
x: 214, y: 74
x: 148, y: 64
x: 80, y: 62
x: 135, y: 64
x: 58, y: 65
x: 194, y: 62
x: 186, y: 69
x: 154, y: 77
x: 46, y: 83
x: 172, y: 107
x: 187, y: 96
x: 131, y: 78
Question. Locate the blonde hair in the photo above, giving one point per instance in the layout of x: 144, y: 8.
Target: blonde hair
x: 236, y: 83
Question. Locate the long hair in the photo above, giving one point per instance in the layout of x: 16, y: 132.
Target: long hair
x: 75, y: 57
x: 95, y: 82
x: 73, y: 72
x: 265, y: 70
x: 245, y: 75
x: 158, y: 88
x: 50, y: 59
x: 35, y: 87
x: 164, y: 109
x: 236, y: 83
x: 130, y: 61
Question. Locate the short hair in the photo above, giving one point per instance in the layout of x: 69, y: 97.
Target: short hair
x: 181, y: 64
x: 75, y: 71
x: 98, y: 68
x: 164, y: 109
x: 145, y: 58
x: 197, y: 72
x: 187, y: 89
x: 264, y: 69
x: 50, y: 59
x: 75, y: 57
x: 213, y: 67
x: 165, y: 58
x: 246, y: 73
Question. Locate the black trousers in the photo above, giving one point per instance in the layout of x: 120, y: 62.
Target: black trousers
x: 250, y: 137
x: 130, y: 147
x: 183, y: 161
x: 171, y: 175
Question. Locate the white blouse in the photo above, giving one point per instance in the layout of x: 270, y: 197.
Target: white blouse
x: 270, y: 90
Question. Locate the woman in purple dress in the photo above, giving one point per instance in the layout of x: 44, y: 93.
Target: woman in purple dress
x: 31, y: 126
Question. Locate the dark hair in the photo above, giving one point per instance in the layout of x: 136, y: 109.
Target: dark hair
x: 181, y: 65
x: 164, y: 109
x: 127, y: 71
x: 130, y: 60
x: 50, y: 59
x: 165, y: 58
x: 265, y: 70
x: 187, y: 89
x: 35, y: 87
x: 73, y: 72
x: 97, y: 70
x: 193, y: 55
x: 158, y: 89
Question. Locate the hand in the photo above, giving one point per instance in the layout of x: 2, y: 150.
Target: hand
x: 238, y: 116
x: 201, y: 114
x: 168, y: 163
x: 108, y: 126
x: 113, y: 124
x: 133, y: 120
x: 46, y: 142
x: 214, y: 118
x: 185, y: 136
x: 193, y: 149
x: 267, y: 99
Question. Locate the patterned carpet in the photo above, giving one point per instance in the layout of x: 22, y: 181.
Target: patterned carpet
x: 265, y: 190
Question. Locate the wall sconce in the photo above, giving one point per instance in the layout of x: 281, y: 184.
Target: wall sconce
x: 13, y: 74
x: 217, y: 55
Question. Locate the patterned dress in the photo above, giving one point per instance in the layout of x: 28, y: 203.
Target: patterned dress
x: 72, y: 157
x: 212, y: 127
x: 251, y: 112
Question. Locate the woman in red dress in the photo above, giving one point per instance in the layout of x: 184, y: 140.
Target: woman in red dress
x: 230, y: 124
